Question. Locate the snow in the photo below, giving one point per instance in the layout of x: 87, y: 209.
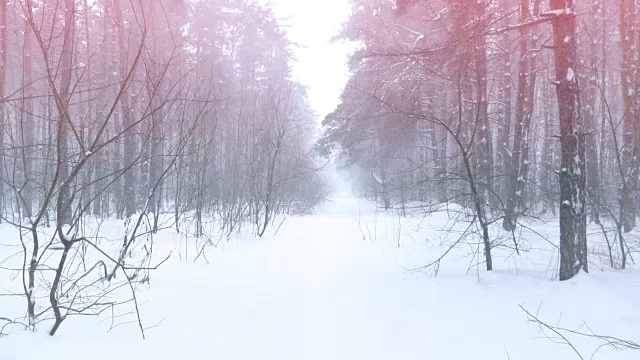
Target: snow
x: 570, y: 74
x: 558, y: 12
x: 335, y: 285
x: 420, y: 37
x: 376, y: 177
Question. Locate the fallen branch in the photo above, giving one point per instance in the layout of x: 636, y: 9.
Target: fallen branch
x: 607, y: 341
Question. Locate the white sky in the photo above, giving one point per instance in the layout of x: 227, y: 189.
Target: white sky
x: 321, y: 64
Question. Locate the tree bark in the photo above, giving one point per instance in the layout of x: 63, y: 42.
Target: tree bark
x: 3, y: 114
x: 129, y: 195
x: 573, y: 242
x: 27, y: 125
x: 155, y: 156
x: 64, y: 116
x: 590, y: 99
x: 524, y: 110
x: 504, y: 127
x: 630, y: 80
x: 483, y: 134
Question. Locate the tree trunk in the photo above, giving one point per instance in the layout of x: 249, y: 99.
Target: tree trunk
x: 155, y: 156
x: 524, y: 110
x: 590, y: 99
x: 504, y: 128
x: 573, y: 242
x: 129, y: 195
x: 439, y: 163
x: 3, y: 114
x: 548, y: 150
x: 483, y: 135
x: 27, y: 125
x: 64, y: 117
x: 630, y: 80
x: 525, y: 160
x: 604, y: 140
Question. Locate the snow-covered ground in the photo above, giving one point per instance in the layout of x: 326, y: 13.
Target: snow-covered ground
x: 335, y: 285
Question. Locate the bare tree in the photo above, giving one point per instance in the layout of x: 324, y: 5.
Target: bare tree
x: 114, y: 111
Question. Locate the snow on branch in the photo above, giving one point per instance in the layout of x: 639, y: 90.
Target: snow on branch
x: 378, y: 180
x: 557, y: 12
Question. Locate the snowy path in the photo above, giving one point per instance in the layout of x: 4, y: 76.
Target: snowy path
x: 317, y: 290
